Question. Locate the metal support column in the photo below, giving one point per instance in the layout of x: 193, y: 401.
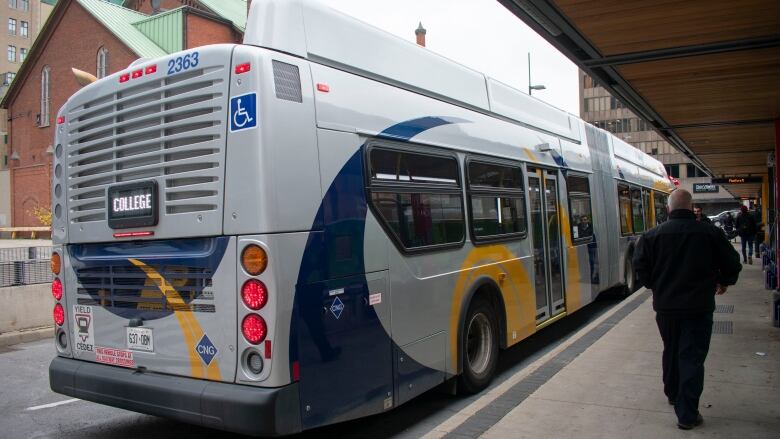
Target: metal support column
x: 776, y: 212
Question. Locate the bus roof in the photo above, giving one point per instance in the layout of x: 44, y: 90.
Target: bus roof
x: 314, y: 31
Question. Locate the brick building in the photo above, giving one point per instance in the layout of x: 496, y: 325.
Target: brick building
x: 100, y: 37
x: 23, y: 20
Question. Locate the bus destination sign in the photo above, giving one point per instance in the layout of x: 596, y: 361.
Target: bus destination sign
x: 705, y: 188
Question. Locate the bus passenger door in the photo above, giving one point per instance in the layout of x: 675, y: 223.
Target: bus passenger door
x: 546, y: 243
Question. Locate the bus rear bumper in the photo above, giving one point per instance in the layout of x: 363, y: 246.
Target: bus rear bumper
x: 225, y: 406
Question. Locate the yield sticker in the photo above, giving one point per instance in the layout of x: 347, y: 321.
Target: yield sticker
x: 114, y: 357
x: 243, y: 112
x: 83, y: 324
x: 206, y: 349
x: 337, y: 308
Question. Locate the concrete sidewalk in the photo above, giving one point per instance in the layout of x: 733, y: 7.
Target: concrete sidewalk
x: 605, y: 381
x: 614, y: 388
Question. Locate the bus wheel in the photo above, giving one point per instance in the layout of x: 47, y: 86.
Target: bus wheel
x: 479, y: 347
x: 630, y: 276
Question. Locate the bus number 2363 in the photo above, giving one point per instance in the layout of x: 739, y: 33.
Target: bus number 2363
x: 181, y: 63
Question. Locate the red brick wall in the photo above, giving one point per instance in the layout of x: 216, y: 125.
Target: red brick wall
x: 201, y: 31
x: 74, y: 43
x: 145, y: 6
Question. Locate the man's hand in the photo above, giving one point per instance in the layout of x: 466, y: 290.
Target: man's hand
x: 720, y: 289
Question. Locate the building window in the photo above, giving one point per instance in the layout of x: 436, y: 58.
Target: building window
x: 418, y: 198
x: 25, y: 5
x: 11, y: 26
x: 673, y: 170
x: 24, y: 29
x: 693, y: 171
x: 11, y: 53
x: 22, y: 54
x: 8, y: 78
x: 102, y: 62
x: 579, y: 205
x: 12, y: 4
x: 497, y: 201
x: 45, y: 96
x: 654, y: 151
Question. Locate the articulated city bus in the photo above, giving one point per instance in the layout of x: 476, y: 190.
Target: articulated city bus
x: 321, y: 224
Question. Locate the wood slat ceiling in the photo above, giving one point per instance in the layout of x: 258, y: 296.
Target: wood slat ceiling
x: 705, y: 73
x: 620, y: 26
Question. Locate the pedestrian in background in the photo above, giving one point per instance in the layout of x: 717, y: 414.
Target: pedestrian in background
x: 728, y: 225
x: 746, y: 229
x: 700, y: 217
x: 685, y: 263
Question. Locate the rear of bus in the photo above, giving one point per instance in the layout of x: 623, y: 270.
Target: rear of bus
x: 184, y: 189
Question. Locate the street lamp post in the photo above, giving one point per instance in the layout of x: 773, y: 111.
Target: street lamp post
x: 531, y: 88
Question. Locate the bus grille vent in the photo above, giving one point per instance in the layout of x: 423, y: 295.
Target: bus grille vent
x: 170, y: 130
x: 287, y: 81
x: 128, y: 287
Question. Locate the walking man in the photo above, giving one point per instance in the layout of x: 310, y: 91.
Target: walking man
x: 746, y: 229
x: 685, y: 262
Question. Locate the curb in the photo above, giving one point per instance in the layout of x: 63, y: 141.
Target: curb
x: 26, y: 335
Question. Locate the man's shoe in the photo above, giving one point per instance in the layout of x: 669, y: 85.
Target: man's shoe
x: 750, y: 260
x: 698, y: 422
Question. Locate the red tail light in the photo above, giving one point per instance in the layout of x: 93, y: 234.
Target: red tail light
x: 124, y: 78
x: 56, y: 289
x: 254, y: 328
x: 137, y: 74
x: 58, y: 314
x: 243, y: 68
x: 151, y: 69
x: 255, y: 294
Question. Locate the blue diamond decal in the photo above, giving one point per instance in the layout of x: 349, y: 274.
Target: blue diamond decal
x: 337, y: 307
x: 206, y: 349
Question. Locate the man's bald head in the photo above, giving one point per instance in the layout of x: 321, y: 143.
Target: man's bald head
x: 680, y: 199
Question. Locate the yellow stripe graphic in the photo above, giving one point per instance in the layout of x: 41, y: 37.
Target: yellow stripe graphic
x: 187, y: 322
x: 501, y: 265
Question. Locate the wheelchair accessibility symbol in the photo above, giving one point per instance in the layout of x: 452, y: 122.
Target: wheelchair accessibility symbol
x: 243, y: 112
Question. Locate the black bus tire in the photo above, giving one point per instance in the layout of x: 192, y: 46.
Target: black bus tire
x: 479, y: 347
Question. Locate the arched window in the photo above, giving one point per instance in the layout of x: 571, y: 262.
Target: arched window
x: 45, y: 96
x: 102, y: 62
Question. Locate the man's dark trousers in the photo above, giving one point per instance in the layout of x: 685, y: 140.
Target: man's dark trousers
x: 686, y: 343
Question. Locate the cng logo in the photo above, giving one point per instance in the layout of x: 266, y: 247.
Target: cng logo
x: 206, y: 349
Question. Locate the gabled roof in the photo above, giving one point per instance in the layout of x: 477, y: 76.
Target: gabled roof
x: 119, y: 21
x: 233, y: 10
x: 165, y: 29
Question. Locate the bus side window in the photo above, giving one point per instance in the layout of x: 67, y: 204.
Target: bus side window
x: 636, y: 208
x: 649, y: 223
x: 496, y: 201
x: 660, y: 207
x: 580, y: 209
x: 624, y: 206
x: 417, y: 197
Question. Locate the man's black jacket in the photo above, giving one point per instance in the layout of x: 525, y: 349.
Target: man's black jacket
x: 682, y: 260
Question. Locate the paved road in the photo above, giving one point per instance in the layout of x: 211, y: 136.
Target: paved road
x: 25, y: 385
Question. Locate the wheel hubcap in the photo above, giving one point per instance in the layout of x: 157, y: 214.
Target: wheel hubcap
x: 478, y: 343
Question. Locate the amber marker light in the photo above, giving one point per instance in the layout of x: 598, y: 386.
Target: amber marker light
x: 56, y: 263
x: 254, y: 259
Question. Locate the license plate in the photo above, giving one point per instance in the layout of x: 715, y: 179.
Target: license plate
x: 140, y: 339
x: 132, y: 205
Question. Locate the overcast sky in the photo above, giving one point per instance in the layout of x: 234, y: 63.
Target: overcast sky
x: 480, y: 34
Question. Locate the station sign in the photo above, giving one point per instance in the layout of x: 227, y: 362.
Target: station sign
x: 737, y: 179
x: 705, y: 188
